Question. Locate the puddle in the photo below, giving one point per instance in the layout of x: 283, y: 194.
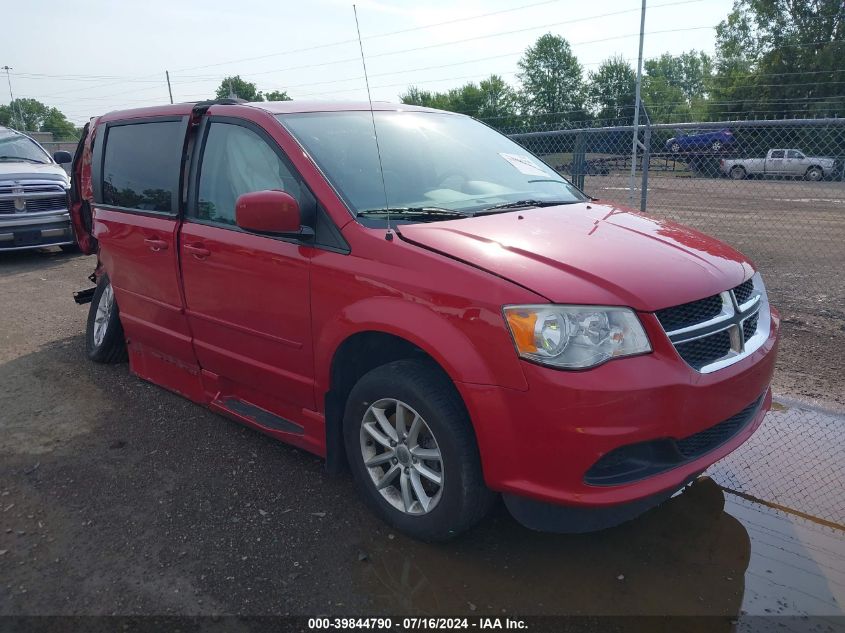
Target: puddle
x: 704, y: 552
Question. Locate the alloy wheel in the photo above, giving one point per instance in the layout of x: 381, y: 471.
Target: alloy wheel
x: 402, y: 456
x: 101, y: 320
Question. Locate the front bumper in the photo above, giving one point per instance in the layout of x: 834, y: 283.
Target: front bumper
x: 540, y: 444
x: 35, y: 230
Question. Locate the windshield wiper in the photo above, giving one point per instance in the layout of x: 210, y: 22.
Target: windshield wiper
x: 519, y: 204
x: 417, y: 211
x: 31, y: 160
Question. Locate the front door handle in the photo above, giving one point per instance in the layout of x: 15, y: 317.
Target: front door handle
x: 155, y: 244
x: 197, y: 250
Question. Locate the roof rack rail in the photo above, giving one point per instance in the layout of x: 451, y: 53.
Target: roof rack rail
x: 226, y: 101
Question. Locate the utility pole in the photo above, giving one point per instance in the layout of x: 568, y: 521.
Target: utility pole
x: 636, y: 141
x: 167, y: 72
x: 12, y: 98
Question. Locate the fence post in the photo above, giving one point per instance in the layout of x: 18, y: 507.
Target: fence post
x: 646, y: 163
x: 579, y: 161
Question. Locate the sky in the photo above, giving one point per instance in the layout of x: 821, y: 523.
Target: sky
x: 88, y: 57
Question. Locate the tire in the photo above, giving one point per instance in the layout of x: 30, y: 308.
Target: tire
x: 417, y: 388
x: 104, y: 345
x: 738, y: 173
x: 675, y: 148
x: 716, y: 146
x: 814, y: 174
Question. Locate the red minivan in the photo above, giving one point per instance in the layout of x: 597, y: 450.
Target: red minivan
x: 434, y: 308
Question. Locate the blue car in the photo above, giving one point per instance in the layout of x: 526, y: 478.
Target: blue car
x: 716, y: 141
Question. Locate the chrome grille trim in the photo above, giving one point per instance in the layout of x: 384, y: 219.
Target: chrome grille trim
x: 45, y: 196
x: 732, y: 318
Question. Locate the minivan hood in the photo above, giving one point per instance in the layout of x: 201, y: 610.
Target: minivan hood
x: 31, y: 171
x: 590, y: 253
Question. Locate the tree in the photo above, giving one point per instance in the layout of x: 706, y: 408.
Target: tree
x: 611, y: 91
x: 239, y: 88
x: 56, y: 122
x: 491, y: 100
x: 426, y: 98
x: 780, y: 57
x: 499, y: 106
x: 31, y: 115
x: 552, y: 82
x: 676, y: 86
x: 276, y: 95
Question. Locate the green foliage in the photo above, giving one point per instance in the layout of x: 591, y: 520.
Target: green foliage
x: 277, y: 95
x: 675, y: 87
x: 33, y: 116
x: 492, y: 100
x: 240, y: 88
x: 780, y: 58
x: 611, y: 91
x: 552, y: 80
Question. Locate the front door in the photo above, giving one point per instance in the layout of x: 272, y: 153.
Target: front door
x: 775, y: 163
x: 247, y: 295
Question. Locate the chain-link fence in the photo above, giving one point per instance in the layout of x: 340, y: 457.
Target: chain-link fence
x: 775, y: 190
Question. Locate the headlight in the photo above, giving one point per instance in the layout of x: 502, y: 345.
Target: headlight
x: 575, y: 337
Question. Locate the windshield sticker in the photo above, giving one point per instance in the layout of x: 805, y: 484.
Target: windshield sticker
x: 524, y: 164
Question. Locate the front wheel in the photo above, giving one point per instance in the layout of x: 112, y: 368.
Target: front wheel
x: 412, y: 451
x: 104, y: 335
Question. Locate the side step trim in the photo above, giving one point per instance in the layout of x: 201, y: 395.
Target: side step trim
x: 262, y: 416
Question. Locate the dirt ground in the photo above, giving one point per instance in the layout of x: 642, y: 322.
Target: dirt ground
x: 794, y: 231
x: 117, y: 497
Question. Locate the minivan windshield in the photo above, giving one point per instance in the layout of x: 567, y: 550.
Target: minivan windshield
x: 16, y: 147
x: 436, y: 166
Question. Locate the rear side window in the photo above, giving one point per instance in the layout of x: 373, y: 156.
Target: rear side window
x: 793, y: 154
x: 777, y: 154
x: 141, y: 166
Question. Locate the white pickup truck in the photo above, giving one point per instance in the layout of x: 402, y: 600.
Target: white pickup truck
x: 779, y: 162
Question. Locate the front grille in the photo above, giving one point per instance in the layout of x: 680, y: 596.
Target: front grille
x: 37, y: 196
x: 703, y: 351
x: 690, y: 313
x: 749, y: 327
x: 633, y: 462
x: 743, y: 291
x: 34, y: 205
x: 714, y: 329
x: 705, y: 441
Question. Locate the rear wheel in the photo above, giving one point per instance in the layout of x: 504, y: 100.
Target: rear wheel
x: 675, y: 147
x: 104, y: 334
x: 738, y: 173
x: 413, y: 453
x: 814, y: 174
x: 716, y: 146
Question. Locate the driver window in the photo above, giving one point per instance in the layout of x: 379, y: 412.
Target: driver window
x: 235, y: 161
x: 777, y: 154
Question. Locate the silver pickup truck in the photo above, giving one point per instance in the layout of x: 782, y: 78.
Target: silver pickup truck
x: 779, y: 162
x: 33, y: 195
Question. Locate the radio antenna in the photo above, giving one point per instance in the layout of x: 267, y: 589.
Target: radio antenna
x: 389, y: 235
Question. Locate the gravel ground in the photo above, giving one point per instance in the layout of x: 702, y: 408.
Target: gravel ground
x: 119, y: 497
x: 794, y: 231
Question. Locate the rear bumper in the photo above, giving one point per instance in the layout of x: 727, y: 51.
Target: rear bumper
x: 541, y: 443
x: 37, y: 230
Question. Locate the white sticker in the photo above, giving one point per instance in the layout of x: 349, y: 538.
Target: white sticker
x: 524, y: 164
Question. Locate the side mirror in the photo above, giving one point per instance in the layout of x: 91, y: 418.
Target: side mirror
x: 62, y: 157
x: 273, y: 212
